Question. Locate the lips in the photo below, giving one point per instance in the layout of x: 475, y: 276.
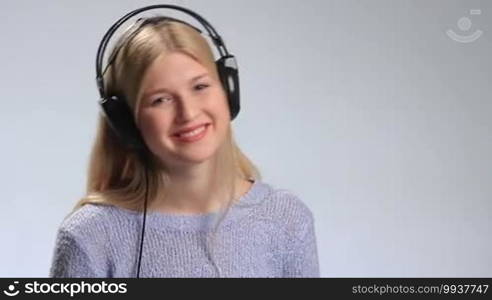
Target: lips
x: 189, y: 129
x: 193, y: 136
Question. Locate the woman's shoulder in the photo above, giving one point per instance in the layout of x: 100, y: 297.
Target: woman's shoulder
x: 87, y: 219
x: 285, y: 206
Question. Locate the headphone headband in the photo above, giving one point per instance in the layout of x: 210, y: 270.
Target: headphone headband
x: 217, y: 40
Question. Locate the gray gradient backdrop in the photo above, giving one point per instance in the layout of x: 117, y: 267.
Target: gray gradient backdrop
x: 367, y: 110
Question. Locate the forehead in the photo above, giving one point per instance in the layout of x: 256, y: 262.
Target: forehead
x: 173, y: 68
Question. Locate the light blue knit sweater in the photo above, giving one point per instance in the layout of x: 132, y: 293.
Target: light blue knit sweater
x: 268, y: 233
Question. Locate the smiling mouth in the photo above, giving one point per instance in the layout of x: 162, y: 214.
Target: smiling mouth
x: 192, y: 136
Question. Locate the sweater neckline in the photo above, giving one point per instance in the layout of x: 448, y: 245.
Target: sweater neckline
x: 203, y: 221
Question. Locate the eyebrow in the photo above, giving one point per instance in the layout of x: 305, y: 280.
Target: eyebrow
x: 193, y: 79
x: 198, y: 77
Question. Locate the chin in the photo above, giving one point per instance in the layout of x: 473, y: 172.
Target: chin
x: 199, y: 155
x: 194, y: 156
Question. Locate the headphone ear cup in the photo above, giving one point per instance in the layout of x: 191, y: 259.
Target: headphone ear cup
x: 120, y: 118
x: 229, y: 76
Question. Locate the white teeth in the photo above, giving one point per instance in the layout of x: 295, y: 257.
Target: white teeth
x: 192, y: 133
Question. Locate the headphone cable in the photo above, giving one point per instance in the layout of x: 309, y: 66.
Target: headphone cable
x: 144, y: 217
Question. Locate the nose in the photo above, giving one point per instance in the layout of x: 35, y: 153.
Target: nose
x: 187, y: 108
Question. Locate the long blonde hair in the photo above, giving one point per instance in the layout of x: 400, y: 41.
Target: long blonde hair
x: 116, y: 175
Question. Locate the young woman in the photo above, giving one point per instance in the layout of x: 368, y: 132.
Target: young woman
x: 208, y: 214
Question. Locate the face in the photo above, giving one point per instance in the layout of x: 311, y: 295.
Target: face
x: 178, y: 93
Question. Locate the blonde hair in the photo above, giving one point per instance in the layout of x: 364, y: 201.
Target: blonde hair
x: 116, y: 175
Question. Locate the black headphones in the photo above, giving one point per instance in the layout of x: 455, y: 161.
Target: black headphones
x: 115, y: 107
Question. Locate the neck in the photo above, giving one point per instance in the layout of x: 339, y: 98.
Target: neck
x: 191, y: 190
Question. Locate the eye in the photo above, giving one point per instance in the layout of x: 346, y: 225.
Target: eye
x: 201, y: 86
x: 160, y: 100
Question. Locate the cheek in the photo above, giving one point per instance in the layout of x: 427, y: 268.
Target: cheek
x: 222, y: 107
x: 223, y: 117
x: 154, y: 126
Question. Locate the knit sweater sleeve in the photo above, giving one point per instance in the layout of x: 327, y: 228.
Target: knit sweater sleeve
x: 301, y: 249
x: 70, y: 258
x: 81, y: 247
